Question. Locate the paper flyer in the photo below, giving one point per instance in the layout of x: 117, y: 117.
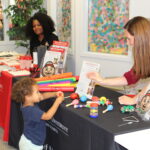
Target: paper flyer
x: 86, y: 86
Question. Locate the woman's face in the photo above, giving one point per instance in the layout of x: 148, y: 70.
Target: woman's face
x: 130, y: 38
x: 37, y: 27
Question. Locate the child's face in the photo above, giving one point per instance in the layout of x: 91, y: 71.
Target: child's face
x: 36, y: 95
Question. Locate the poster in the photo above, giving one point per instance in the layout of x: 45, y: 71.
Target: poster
x: 106, y: 19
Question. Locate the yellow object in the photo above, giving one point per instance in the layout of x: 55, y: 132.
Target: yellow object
x: 103, y: 98
x: 65, y: 84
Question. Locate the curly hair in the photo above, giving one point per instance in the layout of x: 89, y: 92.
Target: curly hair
x: 45, y: 21
x: 22, y: 88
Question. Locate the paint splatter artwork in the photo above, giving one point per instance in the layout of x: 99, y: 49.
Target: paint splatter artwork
x: 106, y: 19
x: 64, y: 20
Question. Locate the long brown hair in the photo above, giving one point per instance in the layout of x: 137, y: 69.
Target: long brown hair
x: 139, y: 27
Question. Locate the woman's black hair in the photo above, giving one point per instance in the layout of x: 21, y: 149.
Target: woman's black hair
x: 46, y: 22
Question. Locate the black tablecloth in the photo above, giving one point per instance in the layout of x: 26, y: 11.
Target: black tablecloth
x: 73, y: 129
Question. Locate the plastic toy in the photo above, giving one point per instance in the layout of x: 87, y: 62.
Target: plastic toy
x: 109, y: 108
x: 54, y: 89
x: 80, y: 106
x: 95, y: 98
x: 74, y: 102
x: 103, y: 100
x: 74, y: 96
x: 83, y: 98
x: 93, y: 110
x: 108, y: 102
x: 54, y: 77
x: 128, y: 108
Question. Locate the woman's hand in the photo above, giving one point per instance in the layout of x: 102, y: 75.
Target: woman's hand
x: 126, y: 100
x: 94, y: 76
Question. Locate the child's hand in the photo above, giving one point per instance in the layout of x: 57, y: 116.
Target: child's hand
x: 59, y: 93
x: 125, y: 100
x: 60, y: 97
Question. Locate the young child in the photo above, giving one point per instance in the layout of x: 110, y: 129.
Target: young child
x: 26, y: 91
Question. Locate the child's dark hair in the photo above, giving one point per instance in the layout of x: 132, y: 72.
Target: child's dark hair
x: 22, y: 88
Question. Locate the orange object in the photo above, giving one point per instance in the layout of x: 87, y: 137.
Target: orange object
x: 53, y: 77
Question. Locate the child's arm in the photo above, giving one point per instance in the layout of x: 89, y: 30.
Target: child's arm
x: 51, y: 112
x: 47, y: 95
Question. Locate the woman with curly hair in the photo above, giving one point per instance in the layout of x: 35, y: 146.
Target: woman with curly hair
x: 39, y: 30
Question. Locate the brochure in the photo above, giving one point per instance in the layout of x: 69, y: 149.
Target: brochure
x: 85, y: 86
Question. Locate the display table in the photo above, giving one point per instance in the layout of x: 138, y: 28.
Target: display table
x: 73, y: 129
x: 6, y: 80
x: 5, y: 102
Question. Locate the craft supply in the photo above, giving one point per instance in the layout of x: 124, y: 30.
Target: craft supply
x: 74, y: 102
x: 109, y: 108
x: 93, y: 110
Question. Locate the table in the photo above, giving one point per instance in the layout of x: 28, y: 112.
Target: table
x: 5, y: 102
x: 6, y: 80
x: 73, y: 129
x: 134, y: 140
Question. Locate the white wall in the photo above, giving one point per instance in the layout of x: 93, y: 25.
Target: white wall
x: 111, y: 65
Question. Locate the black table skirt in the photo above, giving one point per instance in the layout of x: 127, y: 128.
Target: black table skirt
x: 73, y: 129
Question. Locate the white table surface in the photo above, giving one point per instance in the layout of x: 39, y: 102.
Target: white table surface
x: 139, y: 140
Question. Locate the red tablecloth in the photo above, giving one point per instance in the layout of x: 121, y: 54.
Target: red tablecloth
x: 5, y: 102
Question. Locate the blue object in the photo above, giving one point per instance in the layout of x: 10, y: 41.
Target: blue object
x: 83, y: 98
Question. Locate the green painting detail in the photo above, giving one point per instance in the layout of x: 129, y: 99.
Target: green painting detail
x: 105, y: 26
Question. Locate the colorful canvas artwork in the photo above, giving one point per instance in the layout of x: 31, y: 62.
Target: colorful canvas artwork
x: 106, y: 19
x: 64, y: 20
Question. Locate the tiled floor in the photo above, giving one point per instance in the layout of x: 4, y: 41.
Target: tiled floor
x: 4, y: 145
